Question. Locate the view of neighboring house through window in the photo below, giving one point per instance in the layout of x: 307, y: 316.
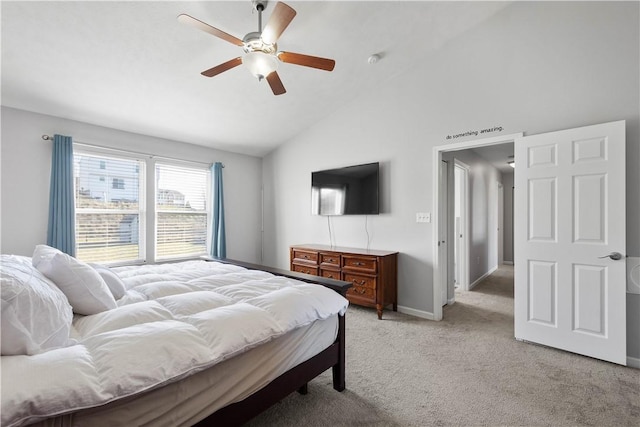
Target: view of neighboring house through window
x: 111, y: 212
x: 182, y: 210
x: 109, y: 208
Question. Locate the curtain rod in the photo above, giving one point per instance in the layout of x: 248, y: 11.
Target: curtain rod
x: 151, y: 156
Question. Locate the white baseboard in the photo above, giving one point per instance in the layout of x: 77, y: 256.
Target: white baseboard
x: 451, y: 301
x: 414, y: 312
x: 481, y: 278
x: 633, y: 362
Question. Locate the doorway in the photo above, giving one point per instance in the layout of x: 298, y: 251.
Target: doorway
x: 445, y: 276
x: 475, y: 203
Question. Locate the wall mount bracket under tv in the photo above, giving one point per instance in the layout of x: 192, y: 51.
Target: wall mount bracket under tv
x: 351, y: 190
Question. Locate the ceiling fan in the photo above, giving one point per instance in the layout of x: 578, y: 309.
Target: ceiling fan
x: 261, y: 55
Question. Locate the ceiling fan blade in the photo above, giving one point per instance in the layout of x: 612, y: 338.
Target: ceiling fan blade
x: 279, y: 20
x: 190, y: 20
x: 222, y: 67
x: 276, y: 84
x: 307, y: 61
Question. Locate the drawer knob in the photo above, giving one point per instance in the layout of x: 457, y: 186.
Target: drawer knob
x: 359, y: 290
x: 359, y: 263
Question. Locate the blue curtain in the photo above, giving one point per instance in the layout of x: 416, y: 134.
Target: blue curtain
x: 218, y: 239
x: 61, y: 232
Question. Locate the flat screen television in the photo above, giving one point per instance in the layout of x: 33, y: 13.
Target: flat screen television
x: 351, y: 190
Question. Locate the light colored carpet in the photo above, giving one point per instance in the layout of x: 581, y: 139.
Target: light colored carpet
x: 466, y: 370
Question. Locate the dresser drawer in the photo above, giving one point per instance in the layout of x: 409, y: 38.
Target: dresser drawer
x: 305, y: 256
x: 361, y: 263
x: 306, y: 269
x: 330, y: 274
x: 330, y: 260
x: 362, y: 292
x: 361, y: 281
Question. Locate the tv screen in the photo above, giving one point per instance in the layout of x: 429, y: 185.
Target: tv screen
x: 351, y: 190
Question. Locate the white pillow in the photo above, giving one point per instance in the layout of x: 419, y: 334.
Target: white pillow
x: 36, y: 315
x: 113, y: 281
x: 86, y: 290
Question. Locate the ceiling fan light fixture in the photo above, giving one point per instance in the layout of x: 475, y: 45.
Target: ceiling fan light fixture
x: 260, y: 64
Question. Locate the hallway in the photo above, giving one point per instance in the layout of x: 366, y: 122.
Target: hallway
x: 490, y: 301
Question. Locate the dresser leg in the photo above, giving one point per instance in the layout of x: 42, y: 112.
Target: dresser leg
x: 379, y: 309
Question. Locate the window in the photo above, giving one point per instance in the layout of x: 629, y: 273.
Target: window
x: 182, y: 211
x: 113, y: 224
x: 109, y: 219
x: 117, y: 184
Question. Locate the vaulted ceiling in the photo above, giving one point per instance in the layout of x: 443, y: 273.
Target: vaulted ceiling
x: 132, y: 66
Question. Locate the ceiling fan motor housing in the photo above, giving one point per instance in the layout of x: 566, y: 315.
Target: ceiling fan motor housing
x: 253, y: 43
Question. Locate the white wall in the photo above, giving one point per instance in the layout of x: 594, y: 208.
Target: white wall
x: 535, y: 67
x: 26, y: 167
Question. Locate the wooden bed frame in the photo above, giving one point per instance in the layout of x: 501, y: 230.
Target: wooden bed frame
x: 296, y: 378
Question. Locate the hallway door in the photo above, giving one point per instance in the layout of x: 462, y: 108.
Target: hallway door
x: 443, y: 206
x: 461, y: 225
x: 570, y: 240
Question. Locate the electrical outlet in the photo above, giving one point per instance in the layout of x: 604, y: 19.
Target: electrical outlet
x: 423, y: 217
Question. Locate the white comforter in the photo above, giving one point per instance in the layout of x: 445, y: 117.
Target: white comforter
x: 174, y: 320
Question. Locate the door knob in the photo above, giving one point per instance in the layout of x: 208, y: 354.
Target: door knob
x: 613, y: 255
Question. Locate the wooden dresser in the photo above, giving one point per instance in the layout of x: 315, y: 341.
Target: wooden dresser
x: 374, y: 274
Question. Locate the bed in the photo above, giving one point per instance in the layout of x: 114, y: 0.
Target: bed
x: 201, y: 342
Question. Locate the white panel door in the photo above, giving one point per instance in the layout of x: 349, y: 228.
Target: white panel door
x: 443, y: 261
x: 569, y: 215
